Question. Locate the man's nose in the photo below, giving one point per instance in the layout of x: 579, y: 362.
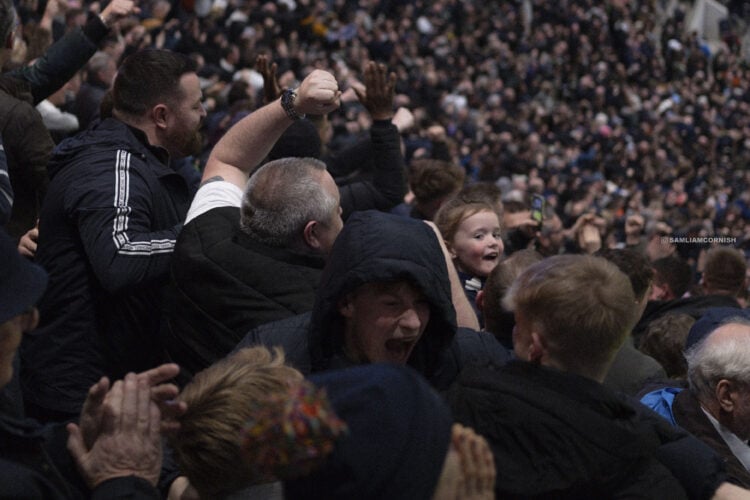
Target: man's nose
x: 410, y: 319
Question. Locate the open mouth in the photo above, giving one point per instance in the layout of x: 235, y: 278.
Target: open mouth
x: 491, y: 256
x: 399, y: 349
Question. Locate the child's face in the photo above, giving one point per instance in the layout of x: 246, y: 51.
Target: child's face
x: 476, y: 247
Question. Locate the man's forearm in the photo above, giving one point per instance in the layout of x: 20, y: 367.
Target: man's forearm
x: 245, y: 145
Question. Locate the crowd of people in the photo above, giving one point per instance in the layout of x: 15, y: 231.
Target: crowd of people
x: 610, y: 107
x: 383, y: 249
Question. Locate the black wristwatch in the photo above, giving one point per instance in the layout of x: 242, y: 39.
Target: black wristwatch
x: 287, y: 102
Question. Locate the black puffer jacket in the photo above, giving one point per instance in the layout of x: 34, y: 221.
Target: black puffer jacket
x: 224, y: 283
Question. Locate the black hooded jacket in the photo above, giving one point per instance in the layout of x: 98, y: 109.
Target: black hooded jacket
x: 379, y: 247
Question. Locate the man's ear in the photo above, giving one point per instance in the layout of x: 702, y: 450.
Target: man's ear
x: 480, y: 300
x: 725, y: 394
x: 537, y: 348
x: 310, y: 234
x: 658, y: 292
x: 159, y: 115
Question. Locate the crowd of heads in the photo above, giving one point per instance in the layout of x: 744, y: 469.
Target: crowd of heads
x: 590, y: 106
x: 616, y: 107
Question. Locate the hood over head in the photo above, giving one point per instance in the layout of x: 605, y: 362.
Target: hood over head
x: 378, y: 247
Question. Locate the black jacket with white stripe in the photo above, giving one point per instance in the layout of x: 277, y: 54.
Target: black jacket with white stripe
x: 107, y: 232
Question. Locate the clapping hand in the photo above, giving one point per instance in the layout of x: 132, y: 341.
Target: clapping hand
x: 129, y: 439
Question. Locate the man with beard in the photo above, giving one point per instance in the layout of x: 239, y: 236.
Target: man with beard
x: 106, y: 234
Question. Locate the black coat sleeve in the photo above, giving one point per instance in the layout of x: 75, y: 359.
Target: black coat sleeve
x: 388, y: 185
x: 62, y: 60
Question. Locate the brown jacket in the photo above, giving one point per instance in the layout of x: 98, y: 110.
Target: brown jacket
x: 689, y: 415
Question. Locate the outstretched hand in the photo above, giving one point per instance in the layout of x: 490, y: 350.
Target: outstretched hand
x: 377, y: 95
x: 271, y: 87
x: 129, y: 441
x: 318, y: 94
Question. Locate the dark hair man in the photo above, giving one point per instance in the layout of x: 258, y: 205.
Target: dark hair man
x: 724, y: 272
x: 722, y: 283
x: 631, y: 369
x: 497, y: 320
x: 109, y: 228
x: 107, y: 231
x: 433, y: 182
x: 672, y: 278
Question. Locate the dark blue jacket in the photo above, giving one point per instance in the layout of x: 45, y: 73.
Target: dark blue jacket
x: 106, y: 236
x: 377, y: 247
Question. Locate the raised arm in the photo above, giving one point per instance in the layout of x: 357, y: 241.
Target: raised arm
x: 465, y: 315
x: 71, y: 53
x: 388, y: 184
x: 245, y: 145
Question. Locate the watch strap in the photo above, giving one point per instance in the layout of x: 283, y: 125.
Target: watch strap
x: 287, y: 102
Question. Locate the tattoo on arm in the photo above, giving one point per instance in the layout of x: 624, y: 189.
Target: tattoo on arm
x: 215, y: 178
